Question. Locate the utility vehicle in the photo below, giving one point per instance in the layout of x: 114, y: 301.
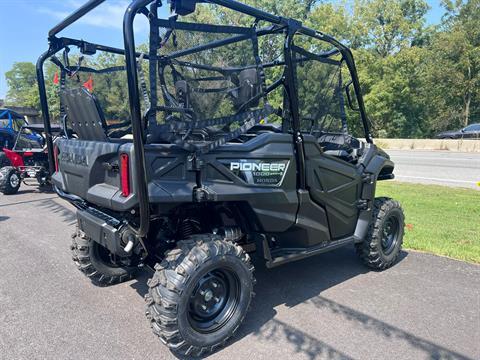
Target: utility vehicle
x: 10, y: 124
x: 27, y: 159
x: 239, y: 142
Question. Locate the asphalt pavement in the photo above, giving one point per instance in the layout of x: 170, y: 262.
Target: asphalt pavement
x: 326, y: 307
x: 437, y: 167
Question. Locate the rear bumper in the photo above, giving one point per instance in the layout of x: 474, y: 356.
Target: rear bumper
x: 98, y: 226
x: 101, y: 228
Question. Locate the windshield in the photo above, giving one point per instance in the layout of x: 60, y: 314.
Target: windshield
x: 16, y: 124
x: 28, y: 140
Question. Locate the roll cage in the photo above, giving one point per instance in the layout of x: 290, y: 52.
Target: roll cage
x: 142, y: 126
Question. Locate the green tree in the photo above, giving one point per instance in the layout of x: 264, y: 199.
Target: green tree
x: 388, y: 26
x: 454, y: 72
x: 22, y: 85
x: 23, y: 89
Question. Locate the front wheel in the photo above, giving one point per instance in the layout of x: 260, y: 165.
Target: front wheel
x: 10, y: 180
x: 383, y: 243
x: 200, y: 294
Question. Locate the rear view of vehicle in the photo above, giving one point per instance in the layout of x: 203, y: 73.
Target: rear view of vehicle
x: 235, y: 142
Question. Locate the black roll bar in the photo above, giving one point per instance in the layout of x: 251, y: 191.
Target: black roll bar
x: 89, y: 6
x: 44, y: 104
x: 136, y: 114
x: 246, y: 9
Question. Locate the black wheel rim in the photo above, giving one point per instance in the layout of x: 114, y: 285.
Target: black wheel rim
x: 390, y: 234
x: 214, y: 300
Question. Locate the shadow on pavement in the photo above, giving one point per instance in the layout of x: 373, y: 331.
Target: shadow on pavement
x: 276, y: 330
x: 381, y: 328
x: 4, y: 218
x: 35, y: 189
x: 27, y: 201
x: 303, y: 282
x: 66, y: 214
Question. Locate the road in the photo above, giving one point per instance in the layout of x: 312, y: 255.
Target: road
x: 327, y: 307
x: 437, y: 167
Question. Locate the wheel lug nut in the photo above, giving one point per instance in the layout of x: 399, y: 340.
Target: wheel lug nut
x: 216, y: 299
x: 204, y: 307
x: 202, y: 292
x: 214, y: 284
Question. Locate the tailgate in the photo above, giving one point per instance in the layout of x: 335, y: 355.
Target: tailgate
x: 91, y: 170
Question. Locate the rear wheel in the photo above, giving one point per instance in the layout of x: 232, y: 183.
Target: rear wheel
x: 98, y: 263
x: 383, y: 243
x: 199, y: 294
x: 10, y: 180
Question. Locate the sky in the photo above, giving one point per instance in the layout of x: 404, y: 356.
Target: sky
x: 25, y: 25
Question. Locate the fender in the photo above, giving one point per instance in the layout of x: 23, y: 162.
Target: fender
x: 379, y: 161
x: 15, y: 159
x: 374, y: 167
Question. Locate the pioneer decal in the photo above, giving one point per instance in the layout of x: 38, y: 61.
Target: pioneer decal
x: 258, y: 172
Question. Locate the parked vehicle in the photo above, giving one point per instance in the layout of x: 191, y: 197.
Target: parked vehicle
x: 471, y: 131
x: 10, y: 124
x: 238, y: 146
x: 27, y: 159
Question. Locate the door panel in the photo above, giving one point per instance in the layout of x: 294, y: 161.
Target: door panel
x: 335, y: 185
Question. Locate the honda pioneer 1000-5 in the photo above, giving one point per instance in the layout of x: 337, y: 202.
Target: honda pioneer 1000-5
x: 237, y: 140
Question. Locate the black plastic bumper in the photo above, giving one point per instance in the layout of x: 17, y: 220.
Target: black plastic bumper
x: 101, y: 228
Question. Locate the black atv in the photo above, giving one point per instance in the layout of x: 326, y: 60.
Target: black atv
x: 238, y: 143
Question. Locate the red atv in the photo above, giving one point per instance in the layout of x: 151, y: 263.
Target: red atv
x: 27, y: 159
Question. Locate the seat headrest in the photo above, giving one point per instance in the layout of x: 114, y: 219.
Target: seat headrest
x: 84, y: 114
x: 249, y: 87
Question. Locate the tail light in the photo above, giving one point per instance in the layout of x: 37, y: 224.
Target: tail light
x: 124, y: 175
x: 55, y: 156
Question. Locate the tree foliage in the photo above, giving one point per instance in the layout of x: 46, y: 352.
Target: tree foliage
x: 417, y: 79
x: 21, y: 81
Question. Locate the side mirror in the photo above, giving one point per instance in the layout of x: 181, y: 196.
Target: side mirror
x: 351, y: 96
x: 463, y: 130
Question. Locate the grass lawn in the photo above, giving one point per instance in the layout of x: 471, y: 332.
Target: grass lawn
x: 439, y: 219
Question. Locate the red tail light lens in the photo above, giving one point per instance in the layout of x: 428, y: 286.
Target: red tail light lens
x: 124, y: 175
x: 55, y: 156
